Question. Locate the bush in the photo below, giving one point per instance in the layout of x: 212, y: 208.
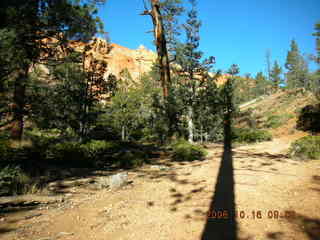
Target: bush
x: 13, y: 180
x: 247, y: 117
x: 91, y: 154
x: 43, y: 139
x: 275, y: 121
x: 185, y: 151
x: 100, y: 152
x: 248, y: 135
x: 306, y: 148
x: 4, y: 150
x: 309, y: 119
x: 68, y: 154
x: 96, y: 148
x: 17, y: 156
x: 130, y: 158
x: 104, y: 132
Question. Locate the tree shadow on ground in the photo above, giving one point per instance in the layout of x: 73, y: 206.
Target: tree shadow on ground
x: 5, y: 230
x: 261, y: 162
x: 221, y: 223
x: 310, y: 226
x: 8, y: 225
x: 300, y: 223
x: 316, y: 180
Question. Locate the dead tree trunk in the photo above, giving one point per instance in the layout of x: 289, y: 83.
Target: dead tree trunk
x: 161, y: 44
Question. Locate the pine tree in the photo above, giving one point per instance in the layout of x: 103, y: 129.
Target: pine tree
x: 297, y: 75
x: 37, y: 31
x: 170, y: 11
x: 261, y: 84
x: 193, y: 71
x: 229, y: 106
x: 316, y: 76
x: 275, y: 75
x: 317, y: 35
x: 73, y: 97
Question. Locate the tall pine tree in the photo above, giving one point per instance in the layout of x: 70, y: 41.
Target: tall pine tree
x: 36, y: 31
x: 316, y: 76
x: 261, y: 84
x: 193, y: 71
x: 297, y: 74
x: 275, y: 75
x: 317, y: 35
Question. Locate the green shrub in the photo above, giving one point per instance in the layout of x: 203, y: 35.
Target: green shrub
x: 100, y: 152
x: 91, y: 154
x: 306, y: 148
x: 130, y: 158
x: 69, y: 154
x: 43, y: 139
x: 309, y: 119
x: 4, y: 150
x: 184, y: 151
x: 95, y: 148
x: 13, y: 180
x: 275, y: 121
x: 249, y: 135
x: 4, y: 135
x: 17, y: 156
x: 247, y: 117
x: 104, y: 132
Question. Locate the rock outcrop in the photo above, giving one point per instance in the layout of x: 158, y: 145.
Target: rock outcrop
x: 137, y: 61
x: 119, y: 59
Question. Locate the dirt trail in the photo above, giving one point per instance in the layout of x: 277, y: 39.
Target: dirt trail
x: 173, y: 203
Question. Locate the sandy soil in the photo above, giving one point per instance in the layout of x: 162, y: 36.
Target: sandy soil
x: 261, y: 194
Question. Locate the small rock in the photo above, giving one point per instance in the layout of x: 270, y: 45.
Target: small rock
x: 114, y: 181
x: 61, y: 234
x: 33, y: 215
x: 160, y: 167
x: 118, y: 180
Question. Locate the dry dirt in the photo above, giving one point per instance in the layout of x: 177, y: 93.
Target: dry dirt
x: 273, y: 197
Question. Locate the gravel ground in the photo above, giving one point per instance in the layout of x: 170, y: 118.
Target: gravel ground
x: 267, y: 196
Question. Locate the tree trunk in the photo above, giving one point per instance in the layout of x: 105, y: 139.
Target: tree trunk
x: 161, y: 45
x: 123, y: 133
x: 190, y: 124
x: 19, y: 103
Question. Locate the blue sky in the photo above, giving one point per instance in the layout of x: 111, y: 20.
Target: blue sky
x: 233, y: 31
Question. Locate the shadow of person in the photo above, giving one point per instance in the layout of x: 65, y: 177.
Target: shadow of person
x: 221, y: 223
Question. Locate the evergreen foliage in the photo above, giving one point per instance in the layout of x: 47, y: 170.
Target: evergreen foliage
x: 306, y: 148
x: 185, y: 151
x: 317, y: 35
x: 261, y: 85
x: 297, y: 75
x: 309, y: 119
x: 194, y: 78
x: 249, y: 135
x: 36, y: 32
x: 315, y: 77
x: 275, y: 75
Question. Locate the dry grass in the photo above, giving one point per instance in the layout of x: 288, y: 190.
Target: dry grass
x: 283, y: 103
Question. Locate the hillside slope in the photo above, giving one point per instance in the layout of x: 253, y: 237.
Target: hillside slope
x: 278, y: 113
